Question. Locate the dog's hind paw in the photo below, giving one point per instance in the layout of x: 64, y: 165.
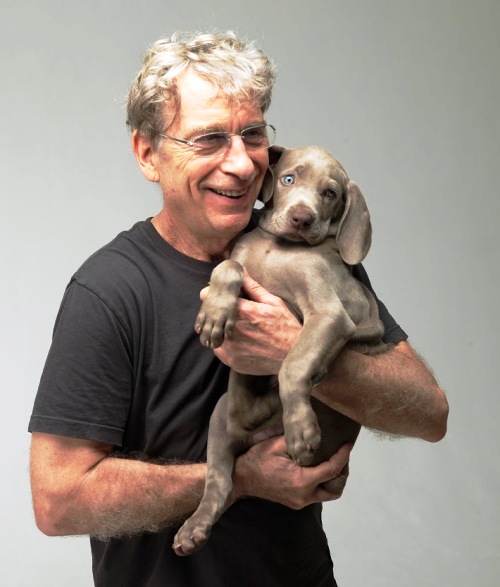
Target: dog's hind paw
x: 335, y: 485
x: 189, y: 539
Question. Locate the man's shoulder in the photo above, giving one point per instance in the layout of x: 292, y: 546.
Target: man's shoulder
x: 118, y: 265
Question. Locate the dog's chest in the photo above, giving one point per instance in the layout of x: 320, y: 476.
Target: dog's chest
x: 288, y: 270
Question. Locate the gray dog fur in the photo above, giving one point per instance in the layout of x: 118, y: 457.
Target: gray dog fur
x: 314, y: 226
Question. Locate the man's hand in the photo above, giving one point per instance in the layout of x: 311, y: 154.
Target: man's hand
x: 267, y: 471
x: 264, y: 333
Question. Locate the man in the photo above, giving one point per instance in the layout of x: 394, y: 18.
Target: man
x: 121, y: 416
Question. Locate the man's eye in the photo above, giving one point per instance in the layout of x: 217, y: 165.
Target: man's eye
x: 211, y: 140
x: 256, y: 132
x: 288, y: 179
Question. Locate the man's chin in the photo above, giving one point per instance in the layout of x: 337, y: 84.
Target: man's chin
x: 231, y: 225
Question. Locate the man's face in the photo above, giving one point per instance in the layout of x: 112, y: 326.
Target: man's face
x: 207, y: 200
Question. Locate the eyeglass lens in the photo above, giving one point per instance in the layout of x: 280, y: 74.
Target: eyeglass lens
x: 254, y: 137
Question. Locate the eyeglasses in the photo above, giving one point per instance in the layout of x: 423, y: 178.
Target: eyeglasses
x: 260, y: 136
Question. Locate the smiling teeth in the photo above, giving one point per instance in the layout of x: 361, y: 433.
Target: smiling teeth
x: 230, y: 194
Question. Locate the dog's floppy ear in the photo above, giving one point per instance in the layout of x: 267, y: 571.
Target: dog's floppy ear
x: 266, y: 193
x: 267, y: 189
x: 354, y: 235
x: 275, y: 153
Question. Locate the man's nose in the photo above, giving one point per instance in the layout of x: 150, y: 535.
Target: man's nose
x: 236, y: 159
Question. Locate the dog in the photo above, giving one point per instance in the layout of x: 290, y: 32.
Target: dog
x: 314, y: 226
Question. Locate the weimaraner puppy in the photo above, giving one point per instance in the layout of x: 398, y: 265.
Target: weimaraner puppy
x: 315, y: 225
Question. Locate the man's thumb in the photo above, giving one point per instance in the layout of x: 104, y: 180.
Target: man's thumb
x: 255, y: 292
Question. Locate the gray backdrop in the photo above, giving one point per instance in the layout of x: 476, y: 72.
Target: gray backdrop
x: 406, y: 95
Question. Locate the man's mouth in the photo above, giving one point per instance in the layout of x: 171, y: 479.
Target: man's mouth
x: 230, y: 193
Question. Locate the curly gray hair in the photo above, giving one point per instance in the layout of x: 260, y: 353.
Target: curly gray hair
x: 236, y: 67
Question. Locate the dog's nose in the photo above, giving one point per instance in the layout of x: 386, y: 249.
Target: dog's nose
x: 302, y: 217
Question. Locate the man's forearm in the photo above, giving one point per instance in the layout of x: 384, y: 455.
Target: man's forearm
x: 129, y: 496
x: 77, y: 489
x: 392, y: 392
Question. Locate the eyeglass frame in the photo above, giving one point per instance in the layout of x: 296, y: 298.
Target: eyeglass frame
x: 227, y: 136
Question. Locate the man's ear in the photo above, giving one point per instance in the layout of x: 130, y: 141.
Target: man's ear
x: 145, y: 155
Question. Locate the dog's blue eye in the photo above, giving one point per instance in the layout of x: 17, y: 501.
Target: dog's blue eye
x: 330, y: 193
x: 288, y: 179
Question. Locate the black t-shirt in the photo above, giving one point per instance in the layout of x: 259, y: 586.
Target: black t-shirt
x: 127, y: 368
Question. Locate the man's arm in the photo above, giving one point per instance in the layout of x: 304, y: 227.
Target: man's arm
x: 392, y: 392
x: 78, y: 487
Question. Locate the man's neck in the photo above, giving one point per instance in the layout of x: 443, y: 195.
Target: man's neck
x: 213, y: 250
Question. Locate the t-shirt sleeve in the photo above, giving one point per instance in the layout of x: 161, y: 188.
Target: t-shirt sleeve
x: 393, y: 332
x: 86, y: 385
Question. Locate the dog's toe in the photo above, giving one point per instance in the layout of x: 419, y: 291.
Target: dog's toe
x: 180, y: 550
x: 303, y: 454
x: 189, y: 539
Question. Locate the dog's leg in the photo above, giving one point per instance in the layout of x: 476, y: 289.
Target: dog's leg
x: 216, y: 499
x: 336, y: 430
x: 248, y: 413
x: 253, y: 405
x: 320, y: 341
x: 217, y: 314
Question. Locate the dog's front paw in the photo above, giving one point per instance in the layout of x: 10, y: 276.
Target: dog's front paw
x: 217, y: 316
x: 191, y: 536
x: 214, y: 322
x: 302, y: 434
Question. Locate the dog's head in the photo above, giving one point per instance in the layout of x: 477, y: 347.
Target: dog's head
x: 308, y: 196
